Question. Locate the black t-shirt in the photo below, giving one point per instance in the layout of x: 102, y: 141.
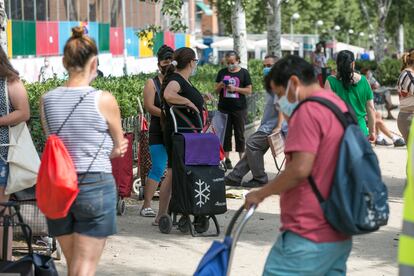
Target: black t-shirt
x: 188, y: 91
x: 233, y: 101
x: 155, y: 130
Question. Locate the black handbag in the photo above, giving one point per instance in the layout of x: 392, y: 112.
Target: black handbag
x: 31, y: 264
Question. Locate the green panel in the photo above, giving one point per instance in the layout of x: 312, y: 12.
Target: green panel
x: 104, y: 37
x: 24, y: 38
x: 158, y: 42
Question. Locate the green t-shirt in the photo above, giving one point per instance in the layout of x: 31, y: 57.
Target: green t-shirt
x: 356, y: 96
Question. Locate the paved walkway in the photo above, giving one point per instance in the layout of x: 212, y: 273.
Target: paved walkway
x: 140, y: 249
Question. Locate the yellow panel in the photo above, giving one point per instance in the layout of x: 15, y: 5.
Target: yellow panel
x: 144, y: 50
x: 187, y: 40
x: 9, y: 38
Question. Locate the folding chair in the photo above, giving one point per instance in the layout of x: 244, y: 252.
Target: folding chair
x: 277, y: 146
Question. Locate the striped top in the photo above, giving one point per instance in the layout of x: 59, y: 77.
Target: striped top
x: 86, y: 129
x: 406, y: 91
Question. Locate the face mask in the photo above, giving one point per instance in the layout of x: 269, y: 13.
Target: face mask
x: 285, y: 106
x: 266, y: 71
x: 194, y: 71
x: 163, y: 69
x: 47, y: 64
x: 232, y: 67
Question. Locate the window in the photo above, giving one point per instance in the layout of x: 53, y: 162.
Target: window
x: 15, y: 8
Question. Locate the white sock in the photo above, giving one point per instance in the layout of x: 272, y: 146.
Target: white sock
x: 380, y: 137
x: 395, y: 138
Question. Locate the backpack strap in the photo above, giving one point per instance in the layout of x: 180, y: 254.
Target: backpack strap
x: 345, y: 118
x: 157, y: 85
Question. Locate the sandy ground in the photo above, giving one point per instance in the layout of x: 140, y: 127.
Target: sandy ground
x: 140, y: 249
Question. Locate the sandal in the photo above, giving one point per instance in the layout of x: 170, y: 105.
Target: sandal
x: 155, y: 223
x: 147, y: 212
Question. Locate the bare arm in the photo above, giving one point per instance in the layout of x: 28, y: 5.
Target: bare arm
x: 245, y: 91
x: 328, y: 86
x: 219, y: 86
x: 149, y: 96
x: 20, y: 102
x: 371, y: 119
x: 108, y: 106
x: 172, y: 96
x: 298, y: 170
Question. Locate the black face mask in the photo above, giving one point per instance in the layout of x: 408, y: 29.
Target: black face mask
x: 163, y: 69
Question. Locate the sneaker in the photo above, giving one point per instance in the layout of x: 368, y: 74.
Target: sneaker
x: 382, y: 142
x: 229, y: 182
x: 253, y: 184
x: 229, y: 166
x: 399, y: 142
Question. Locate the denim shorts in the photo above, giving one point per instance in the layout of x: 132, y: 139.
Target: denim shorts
x: 93, y: 212
x: 159, y: 160
x: 4, y: 173
x: 294, y: 255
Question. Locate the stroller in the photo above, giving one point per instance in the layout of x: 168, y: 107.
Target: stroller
x: 198, y: 188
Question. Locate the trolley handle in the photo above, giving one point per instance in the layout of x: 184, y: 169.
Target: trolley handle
x: 183, y: 107
x: 235, y: 236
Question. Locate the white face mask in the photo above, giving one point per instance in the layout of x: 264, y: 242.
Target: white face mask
x: 285, y: 106
x: 194, y: 71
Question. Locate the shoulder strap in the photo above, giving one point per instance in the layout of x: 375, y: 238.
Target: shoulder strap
x: 157, y: 85
x: 345, y: 118
x: 73, y: 110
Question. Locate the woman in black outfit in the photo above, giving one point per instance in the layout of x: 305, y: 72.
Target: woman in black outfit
x: 177, y: 90
x: 233, y: 84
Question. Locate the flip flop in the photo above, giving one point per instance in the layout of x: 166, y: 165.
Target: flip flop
x: 154, y: 223
x: 147, y: 212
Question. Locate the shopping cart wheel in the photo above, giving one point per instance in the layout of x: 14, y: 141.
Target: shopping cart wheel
x: 121, y: 207
x: 165, y: 224
x: 201, y: 224
x: 183, y: 225
x: 136, y: 186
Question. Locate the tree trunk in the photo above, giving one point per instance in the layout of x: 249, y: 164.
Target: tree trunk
x: 238, y: 23
x: 274, y: 25
x: 73, y: 12
x: 383, y: 9
x: 3, y: 26
x: 401, y: 39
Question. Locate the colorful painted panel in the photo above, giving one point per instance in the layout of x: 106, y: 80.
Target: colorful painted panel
x: 47, y: 38
x: 92, y: 29
x: 9, y: 38
x: 24, y: 38
x: 144, y: 50
x: 158, y: 42
x: 169, y: 39
x: 116, y: 44
x: 65, y: 32
x: 187, y: 40
x: 104, y: 37
x: 132, y: 42
x: 179, y: 41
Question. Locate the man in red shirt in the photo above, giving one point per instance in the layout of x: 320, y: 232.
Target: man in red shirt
x: 308, y: 244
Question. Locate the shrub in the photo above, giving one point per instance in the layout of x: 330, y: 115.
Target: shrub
x: 128, y: 89
x: 388, y: 71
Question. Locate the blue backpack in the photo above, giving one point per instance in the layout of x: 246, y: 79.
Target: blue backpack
x: 358, y: 201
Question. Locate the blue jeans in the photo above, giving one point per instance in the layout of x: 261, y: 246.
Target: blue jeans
x: 94, y: 211
x: 295, y: 255
x: 4, y: 173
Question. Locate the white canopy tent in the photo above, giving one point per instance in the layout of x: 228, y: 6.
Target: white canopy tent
x: 343, y: 46
x: 287, y: 45
x: 197, y: 44
x: 227, y: 45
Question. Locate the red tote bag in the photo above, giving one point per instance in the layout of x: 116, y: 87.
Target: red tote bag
x: 57, y: 181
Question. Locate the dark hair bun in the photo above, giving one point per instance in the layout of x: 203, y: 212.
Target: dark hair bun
x: 78, y: 32
x: 165, y: 52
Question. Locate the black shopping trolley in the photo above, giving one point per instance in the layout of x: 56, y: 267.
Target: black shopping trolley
x: 198, y: 188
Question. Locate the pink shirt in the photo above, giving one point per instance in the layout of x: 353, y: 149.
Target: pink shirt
x: 314, y: 129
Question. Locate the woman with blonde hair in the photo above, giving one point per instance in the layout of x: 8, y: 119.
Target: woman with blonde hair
x: 405, y: 87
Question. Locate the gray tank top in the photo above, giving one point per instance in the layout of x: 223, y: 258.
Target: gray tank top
x: 85, y: 131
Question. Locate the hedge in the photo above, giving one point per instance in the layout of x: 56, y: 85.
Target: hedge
x: 128, y: 89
